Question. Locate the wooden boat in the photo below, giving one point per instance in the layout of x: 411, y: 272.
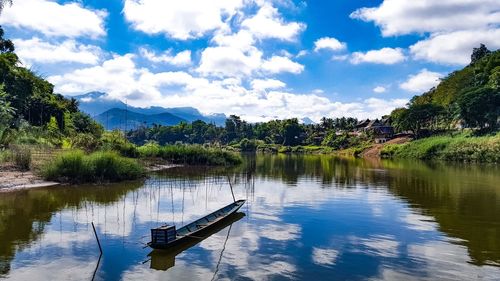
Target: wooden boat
x: 167, y: 236
x: 163, y: 260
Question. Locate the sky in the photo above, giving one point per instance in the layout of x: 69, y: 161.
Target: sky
x: 260, y: 59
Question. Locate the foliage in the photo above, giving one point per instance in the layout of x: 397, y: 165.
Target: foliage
x: 115, y: 140
x: 21, y: 156
x: 480, y: 107
x: 198, y: 155
x: 150, y: 149
x: 417, y: 117
x: 478, y: 53
x: 76, y: 167
x: 458, y: 148
x: 247, y: 145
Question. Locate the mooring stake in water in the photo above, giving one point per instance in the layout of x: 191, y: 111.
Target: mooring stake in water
x: 100, y: 249
x: 96, y: 237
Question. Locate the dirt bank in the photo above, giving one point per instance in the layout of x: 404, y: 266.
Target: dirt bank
x: 374, y: 151
x: 12, y: 180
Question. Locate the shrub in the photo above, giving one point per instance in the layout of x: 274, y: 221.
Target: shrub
x: 22, y: 157
x: 105, y: 166
x: 150, y: 149
x: 248, y: 145
x: 198, y: 155
x: 456, y: 148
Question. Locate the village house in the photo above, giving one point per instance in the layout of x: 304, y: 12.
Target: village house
x: 381, y: 130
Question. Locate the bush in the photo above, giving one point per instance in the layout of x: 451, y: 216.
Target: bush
x: 106, y: 166
x: 457, y: 148
x: 198, y: 155
x: 150, y: 149
x: 22, y: 157
x: 116, y: 141
x: 248, y: 145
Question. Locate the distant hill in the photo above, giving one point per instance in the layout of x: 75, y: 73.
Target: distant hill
x: 96, y: 103
x: 117, y: 118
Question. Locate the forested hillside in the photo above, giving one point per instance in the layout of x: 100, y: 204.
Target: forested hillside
x: 469, y: 98
x: 30, y: 111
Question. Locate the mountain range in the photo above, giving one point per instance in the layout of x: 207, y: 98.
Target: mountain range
x: 114, y: 114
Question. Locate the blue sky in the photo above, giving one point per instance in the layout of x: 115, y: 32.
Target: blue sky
x: 260, y: 59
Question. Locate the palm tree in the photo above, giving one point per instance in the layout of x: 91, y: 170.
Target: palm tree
x: 2, y: 4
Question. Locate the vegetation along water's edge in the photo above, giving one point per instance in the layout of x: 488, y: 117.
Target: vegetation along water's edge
x: 462, y: 147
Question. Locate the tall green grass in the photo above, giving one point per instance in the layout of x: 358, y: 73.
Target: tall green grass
x: 190, y: 154
x: 458, y: 148
x: 77, y: 167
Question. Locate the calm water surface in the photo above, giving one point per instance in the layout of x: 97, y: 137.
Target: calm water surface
x: 306, y: 218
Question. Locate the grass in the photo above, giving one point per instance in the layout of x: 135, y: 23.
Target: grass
x: 454, y: 148
x: 78, y: 167
x: 190, y: 154
x: 21, y: 157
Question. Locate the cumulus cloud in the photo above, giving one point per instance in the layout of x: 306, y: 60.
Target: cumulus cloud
x: 452, y: 28
x: 422, y: 81
x: 266, y: 84
x: 396, y: 17
x: 121, y: 78
x: 180, y: 59
x: 267, y: 23
x: 379, y: 89
x: 228, y: 61
x: 329, y: 43
x: 37, y: 50
x: 382, y: 56
x: 54, y: 19
x: 455, y: 47
x: 182, y: 20
x: 324, y: 257
x: 278, y: 64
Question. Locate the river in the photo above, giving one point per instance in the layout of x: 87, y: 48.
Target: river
x: 306, y: 218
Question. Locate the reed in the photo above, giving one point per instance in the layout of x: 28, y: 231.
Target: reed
x: 103, y: 166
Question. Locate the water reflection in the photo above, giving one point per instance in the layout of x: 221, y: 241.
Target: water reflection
x: 306, y: 217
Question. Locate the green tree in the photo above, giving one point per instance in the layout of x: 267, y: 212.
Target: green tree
x: 480, y: 107
x: 417, y: 117
x: 3, y: 3
x: 478, y: 53
x: 291, y: 132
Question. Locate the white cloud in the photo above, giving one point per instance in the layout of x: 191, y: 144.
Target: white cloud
x: 227, y: 61
x: 180, y: 59
x: 329, y: 43
x: 54, y: 19
x: 233, y: 62
x: 452, y: 27
x: 382, y: 56
x: 455, y: 47
x: 36, y: 50
x: 267, y: 23
x: 277, y: 64
x: 422, y: 81
x: 396, y: 17
x: 266, y: 84
x: 324, y: 256
x: 340, y: 57
x: 180, y: 19
x: 379, y: 89
x: 302, y: 53
x: 122, y: 79
x: 242, y: 40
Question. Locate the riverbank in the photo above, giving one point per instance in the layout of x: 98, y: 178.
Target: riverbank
x: 462, y: 148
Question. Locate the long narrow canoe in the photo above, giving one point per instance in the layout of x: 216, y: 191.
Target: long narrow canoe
x: 163, y: 260
x: 166, y: 236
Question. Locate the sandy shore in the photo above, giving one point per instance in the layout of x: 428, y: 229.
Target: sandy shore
x: 12, y: 180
